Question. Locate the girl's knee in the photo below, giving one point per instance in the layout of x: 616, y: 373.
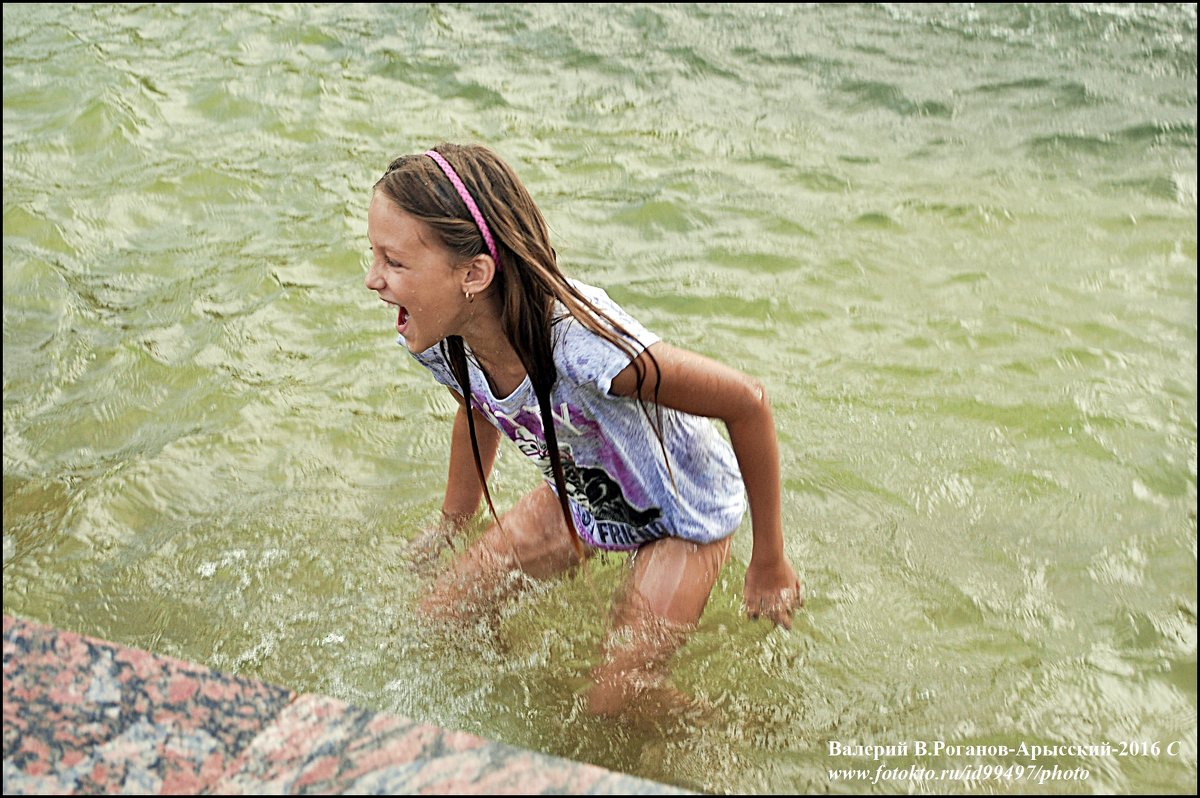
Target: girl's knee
x: 477, y: 578
x: 536, y: 537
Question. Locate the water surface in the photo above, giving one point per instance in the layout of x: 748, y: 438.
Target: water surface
x: 957, y: 244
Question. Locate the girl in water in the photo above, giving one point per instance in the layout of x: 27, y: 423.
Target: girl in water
x: 616, y: 419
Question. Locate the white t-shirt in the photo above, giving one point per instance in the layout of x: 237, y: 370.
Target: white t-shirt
x: 620, y: 491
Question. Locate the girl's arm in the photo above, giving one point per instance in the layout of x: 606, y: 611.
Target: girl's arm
x: 463, y: 489
x: 697, y: 385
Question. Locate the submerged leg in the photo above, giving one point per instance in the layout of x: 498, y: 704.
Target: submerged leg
x: 532, y: 539
x: 668, y: 586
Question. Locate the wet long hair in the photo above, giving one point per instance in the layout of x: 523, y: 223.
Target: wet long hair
x: 527, y: 278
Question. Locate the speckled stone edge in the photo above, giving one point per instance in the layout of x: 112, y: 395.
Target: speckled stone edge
x: 87, y: 716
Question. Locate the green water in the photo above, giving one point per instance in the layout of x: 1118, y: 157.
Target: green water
x: 957, y: 243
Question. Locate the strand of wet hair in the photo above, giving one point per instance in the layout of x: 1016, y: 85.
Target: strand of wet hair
x: 455, y: 353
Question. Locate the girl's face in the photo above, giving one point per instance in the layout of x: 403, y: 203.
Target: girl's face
x: 414, y: 273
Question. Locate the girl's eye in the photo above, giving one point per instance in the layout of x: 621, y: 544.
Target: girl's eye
x: 391, y: 264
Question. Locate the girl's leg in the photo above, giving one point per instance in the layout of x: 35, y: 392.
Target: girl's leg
x: 532, y: 538
x: 666, y: 591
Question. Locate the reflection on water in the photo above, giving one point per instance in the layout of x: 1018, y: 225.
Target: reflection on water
x: 957, y: 243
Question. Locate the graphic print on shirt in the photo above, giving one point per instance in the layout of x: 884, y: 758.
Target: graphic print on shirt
x: 596, y: 489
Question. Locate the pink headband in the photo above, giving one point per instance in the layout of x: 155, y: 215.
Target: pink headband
x: 469, y: 202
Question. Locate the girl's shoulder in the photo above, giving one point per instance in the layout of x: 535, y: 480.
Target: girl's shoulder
x: 583, y: 355
x: 613, y: 313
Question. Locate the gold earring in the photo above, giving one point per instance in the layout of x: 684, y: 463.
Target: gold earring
x: 470, y: 297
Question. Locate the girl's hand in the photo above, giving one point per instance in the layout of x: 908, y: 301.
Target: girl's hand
x: 773, y: 591
x: 426, y: 548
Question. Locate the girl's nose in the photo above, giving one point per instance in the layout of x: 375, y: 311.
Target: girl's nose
x: 373, y: 280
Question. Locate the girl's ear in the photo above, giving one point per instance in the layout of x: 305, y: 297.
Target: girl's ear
x: 478, y: 274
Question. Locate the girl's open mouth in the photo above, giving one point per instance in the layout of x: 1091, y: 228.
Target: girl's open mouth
x: 402, y: 320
